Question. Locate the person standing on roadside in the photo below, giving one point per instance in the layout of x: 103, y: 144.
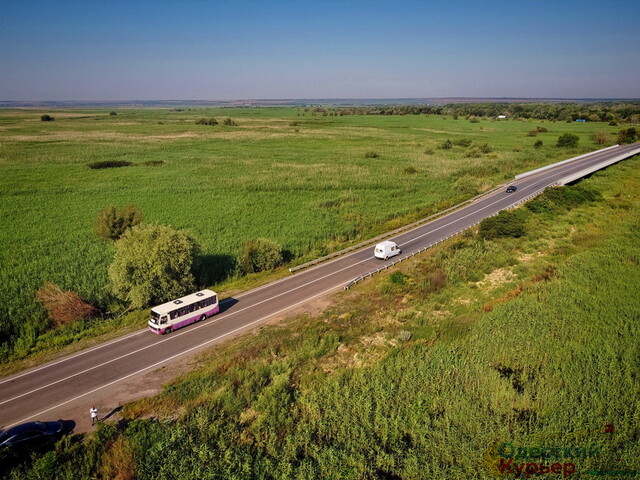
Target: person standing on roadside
x: 94, y: 415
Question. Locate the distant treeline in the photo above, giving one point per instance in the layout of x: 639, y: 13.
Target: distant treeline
x: 591, y: 112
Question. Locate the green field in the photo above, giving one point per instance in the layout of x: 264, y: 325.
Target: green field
x: 475, y: 352
x: 301, y: 179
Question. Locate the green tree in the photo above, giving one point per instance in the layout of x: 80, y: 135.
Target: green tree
x: 505, y: 224
x: 152, y: 264
x: 627, y: 135
x: 567, y: 140
x: 260, y: 254
x: 112, y: 223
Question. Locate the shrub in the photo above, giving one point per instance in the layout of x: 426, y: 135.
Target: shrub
x: 109, y: 164
x: 230, y: 122
x: 371, y: 155
x: 398, y: 278
x: 538, y: 144
x: 428, y: 151
x: 113, y: 114
x: 472, y: 152
x: 627, y: 135
x: 473, y: 119
x: 505, y: 224
x: 207, y: 121
x: 152, y: 264
x: 567, y: 140
x: 466, y: 185
x: 446, y: 145
x: 153, y: 163
x: 462, y: 142
x: 47, y: 118
x: 259, y: 255
x: 112, y: 223
x: 410, y: 170
x: 601, y: 137
x: 484, y: 147
x: 64, y: 306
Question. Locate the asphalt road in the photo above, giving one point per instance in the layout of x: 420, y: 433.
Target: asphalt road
x: 46, y: 392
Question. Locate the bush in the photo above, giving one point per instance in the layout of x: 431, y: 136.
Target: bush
x: 207, y: 121
x: 398, y: 278
x: 47, y: 118
x: 113, y: 114
x: 64, y: 306
x: 410, y: 170
x: 228, y: 121
x: 152, y: 264
x: 462, y: 142
x: 472, y: 152
x: 153, y: 163
x: 567, y: 140
x: 505, y: 224
x: 371, y: 155
x: 538, y: 144
x: 627, y: 135
x: 446, y: 145
x: 109, y: 164
x: 601, y: 137
x: 112, y: 223
x: 466, y: 185
x: 259, y: 255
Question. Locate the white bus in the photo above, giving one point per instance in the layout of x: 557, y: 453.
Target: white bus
x: 181, y: 312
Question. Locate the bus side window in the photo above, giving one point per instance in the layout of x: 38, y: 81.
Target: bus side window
x: 214, y: 299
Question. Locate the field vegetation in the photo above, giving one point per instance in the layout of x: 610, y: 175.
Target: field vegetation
x: 310, y: 183
x: 478, y: 353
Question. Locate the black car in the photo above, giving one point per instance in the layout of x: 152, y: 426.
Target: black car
x: 32, y: 432
x: 511, y: 188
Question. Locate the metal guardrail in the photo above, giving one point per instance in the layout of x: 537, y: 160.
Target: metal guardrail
x: 389, y: 265
x: 582, y: 173
x: 553, y: 165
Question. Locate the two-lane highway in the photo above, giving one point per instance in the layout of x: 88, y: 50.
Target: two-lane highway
x: 46, y: 391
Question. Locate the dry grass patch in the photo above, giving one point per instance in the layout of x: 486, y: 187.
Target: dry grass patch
x: 496, y: 278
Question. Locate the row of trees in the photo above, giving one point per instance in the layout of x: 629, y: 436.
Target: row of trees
x: 565, y: 111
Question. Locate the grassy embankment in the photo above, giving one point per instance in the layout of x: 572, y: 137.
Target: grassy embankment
x: 303, y: 181
x: 419, y: 373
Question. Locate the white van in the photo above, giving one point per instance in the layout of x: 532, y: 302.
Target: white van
x: 387, y: 249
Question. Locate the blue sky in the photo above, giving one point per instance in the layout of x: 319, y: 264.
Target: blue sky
x: 220, y: 50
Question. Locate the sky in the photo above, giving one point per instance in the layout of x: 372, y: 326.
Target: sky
x: 277, y: 49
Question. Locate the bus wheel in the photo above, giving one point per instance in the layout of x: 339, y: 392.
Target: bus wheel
x: 203, y: 317
x: 386, y: 258
x: 168, y: 330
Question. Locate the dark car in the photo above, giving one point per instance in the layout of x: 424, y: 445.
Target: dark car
x: 32, y: 432
x: 511, y: 188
